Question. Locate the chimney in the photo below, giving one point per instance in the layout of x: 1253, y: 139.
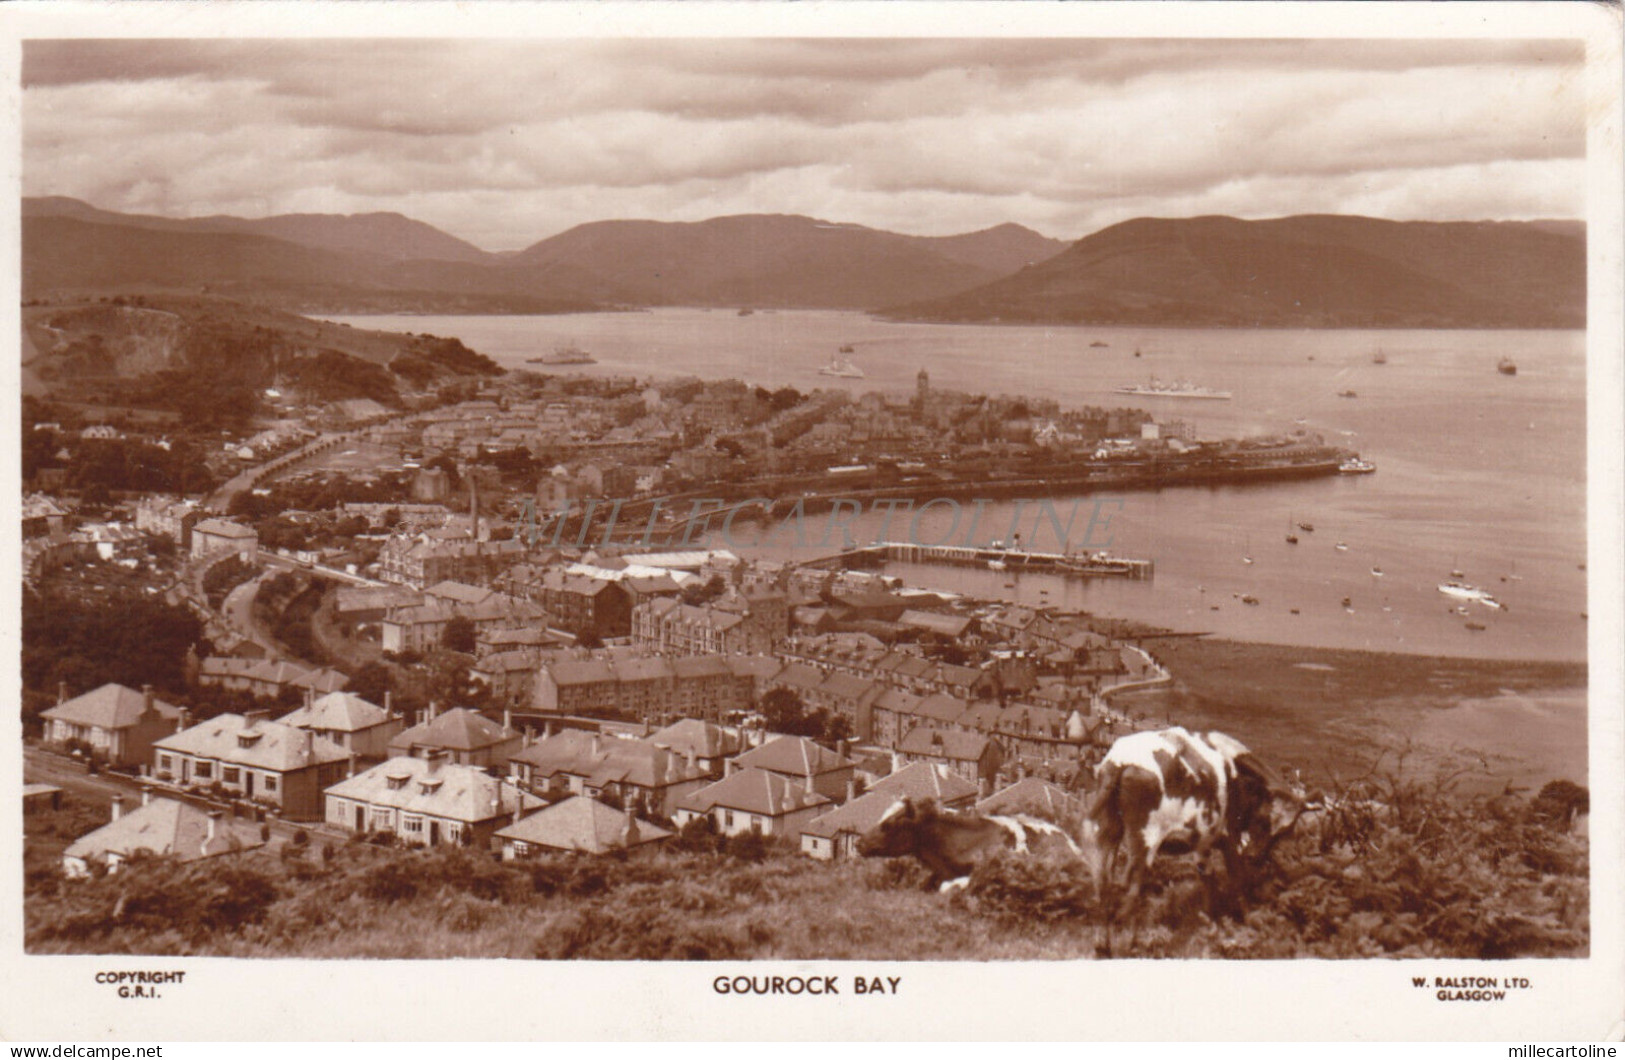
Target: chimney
x: 349, y: 769
x: 629, y: 834
x: 417, y: 717
x: 253, y: 718
x: 310, y: 696
x: 896, y: 761
x: 118, y: 807
x: 842, y: 748
x: 851, y: 788
x: 146, y: 700
x: 984, y: 787
x: 388, y: 697
x: 214, y: 824
x: 693, y: 760
x: 526, y: 737
x: 146, y: 794
x: 596, y: 745
x: 183, y: 722
x: 433, y: 759
x: 507, y: 719
x: 549, y: 727
x: 434, y: 710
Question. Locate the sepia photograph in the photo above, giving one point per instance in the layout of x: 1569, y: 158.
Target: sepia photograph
x: 818, y: 500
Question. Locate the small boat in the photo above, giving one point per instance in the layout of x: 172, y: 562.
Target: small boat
x: 747, y: 312
x: 1307, y: 528
x: 997, y: 564
x: 1009, y: 585
x: 571, y: 354
x: 1292, y: 539
x: 1341, y: 547
x: 1347, y: 602
x: 1136, y: 353
x: 1379, y: 357
x: 1376, y: 572
x: 1507, y: 366
x: 1355, y: 466
x: 1311, y: 356
x: 1247, y: 559
x: 1250, y: 600
x: 1294, y: 610
x: 1477, y: 627
x: 1098, y: 345
x: 1347, y: 393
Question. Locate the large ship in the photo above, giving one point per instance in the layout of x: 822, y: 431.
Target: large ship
x: 571, y: 354
x: 1463, y: 591
x: 1180, y: 389
x: 842, y: 367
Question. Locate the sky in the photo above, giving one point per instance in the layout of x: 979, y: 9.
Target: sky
x: 504, y: 143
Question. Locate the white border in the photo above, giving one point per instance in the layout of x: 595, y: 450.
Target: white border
x: 54, y: 999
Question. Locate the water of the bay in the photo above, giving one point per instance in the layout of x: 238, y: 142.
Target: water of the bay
x: 1477, y: 471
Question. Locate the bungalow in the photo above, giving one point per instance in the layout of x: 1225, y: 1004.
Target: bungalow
x: 927, y: 781
x: 799, y: 759
x: 753, y: 800
x: 631, y: 772
x: 256, y: 758
x: 1036, y: 797
x: 836, y: 834
x: 427, y: 800
x: 578, y: 825
x: 364, y: 729
x: 158, y: 827
x: 469, y: 737
x: 710, y: 745
x: 118, y: 724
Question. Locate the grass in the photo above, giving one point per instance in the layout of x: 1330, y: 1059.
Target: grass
x: 1406, y: 870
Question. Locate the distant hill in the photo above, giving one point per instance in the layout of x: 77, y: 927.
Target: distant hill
x: 781, y: 260
x: 1308, y: 271
x: 385, y: 235
x: 390, y: 263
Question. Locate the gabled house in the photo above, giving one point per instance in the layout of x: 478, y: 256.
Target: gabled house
x: 468, y: 737
x: 578, y: 825
x: 1038, y: 798
x: 427, y: 800
x: 973, y: 756
x: 754, y: 800
x: 158, y: 827
x: 363, y: 729
x: 709, y: 744
x: 799, y: 759
x: 631, y: 772
x: 119, y: 724
x: 258, y: 759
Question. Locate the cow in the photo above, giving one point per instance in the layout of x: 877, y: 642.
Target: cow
x: 950, y: 845
x: 1173, y: 792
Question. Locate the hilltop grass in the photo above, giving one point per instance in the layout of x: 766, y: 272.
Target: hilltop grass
x: 1404, y: 870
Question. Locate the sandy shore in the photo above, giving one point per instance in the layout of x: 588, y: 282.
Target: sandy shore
x: 1331, y: 712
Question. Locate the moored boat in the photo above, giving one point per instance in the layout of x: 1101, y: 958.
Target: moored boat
x: 1507, y: 366
x: 1355, y: 466
x: 1178, y: 389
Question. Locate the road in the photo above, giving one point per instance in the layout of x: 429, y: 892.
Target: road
x: 238, y: 611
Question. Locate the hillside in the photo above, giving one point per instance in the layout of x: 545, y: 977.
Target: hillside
x: 780, y: 260
x: 1309, y: 271
x: 208, y: 356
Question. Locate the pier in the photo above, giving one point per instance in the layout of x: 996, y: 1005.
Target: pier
x: 991, y: 557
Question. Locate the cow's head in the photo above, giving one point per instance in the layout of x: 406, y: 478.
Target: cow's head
x: 899, y: 831
x: 1264, y: 807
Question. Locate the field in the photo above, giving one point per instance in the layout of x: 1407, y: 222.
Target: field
x: 1410, y: 871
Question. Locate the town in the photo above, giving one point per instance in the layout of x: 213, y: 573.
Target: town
x: 408, y: 622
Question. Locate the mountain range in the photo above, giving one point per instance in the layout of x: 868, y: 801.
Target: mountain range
x: 1306, y: 271
x: 1303, y: 271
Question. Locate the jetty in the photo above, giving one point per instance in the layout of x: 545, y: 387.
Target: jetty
x: 994, y: 557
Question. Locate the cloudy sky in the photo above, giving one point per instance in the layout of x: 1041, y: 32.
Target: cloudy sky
x: 505, y: 143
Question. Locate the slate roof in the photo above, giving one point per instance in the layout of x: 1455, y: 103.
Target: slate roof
x: 440, y: 789
x: 858, y: 816
x: 459, y: 729
x: 937, y: 743
x: 337, y: 712
x: 583, y: 825
x: 1036, y: 796
x: 609, y: 760
x: 168, y: 827
x: 580, y: 672
x: 753, y: 791
x: 926, y: 780
x: 261, y: 744
x: 946, y: 625
x: 705, y: 739
x: 795, y: 755
x: 111, y: 707
x: 941, y: 707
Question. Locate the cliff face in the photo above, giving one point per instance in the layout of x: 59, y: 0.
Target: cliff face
x: 1312, y: 271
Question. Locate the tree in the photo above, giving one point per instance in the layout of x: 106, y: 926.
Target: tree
x: 459, y: 635
x: 784, y: 711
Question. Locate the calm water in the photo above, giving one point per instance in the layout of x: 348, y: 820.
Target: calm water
x: 1477, y: 471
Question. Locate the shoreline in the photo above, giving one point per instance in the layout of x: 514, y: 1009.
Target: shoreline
x: 1333, y: 712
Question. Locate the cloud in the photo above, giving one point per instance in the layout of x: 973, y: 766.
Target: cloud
x: 505, y: 142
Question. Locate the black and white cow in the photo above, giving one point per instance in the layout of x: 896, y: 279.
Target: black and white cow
x: 950, y: 845
x: 1173, y: 792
